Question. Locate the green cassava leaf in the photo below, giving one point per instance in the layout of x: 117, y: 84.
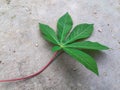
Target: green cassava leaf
x: 79, y: 32
x: 87, y: 45
x: 56, y: 48
x: 48, y: 33
x: 83, y: 58
x: 67, y: 41
x: 64, y: 25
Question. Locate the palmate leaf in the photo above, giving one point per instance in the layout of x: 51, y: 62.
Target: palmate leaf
x: 83, y: 58
x: 48, y: 33
x: 64, y: 25
x: 66, y: 41
x: 87, y: 45
x: 79, y: 32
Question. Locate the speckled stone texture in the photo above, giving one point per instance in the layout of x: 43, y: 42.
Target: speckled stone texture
x: 23, y: 51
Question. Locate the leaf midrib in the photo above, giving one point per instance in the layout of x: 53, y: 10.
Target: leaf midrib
x: 63, y: 30
x: 54, y: 37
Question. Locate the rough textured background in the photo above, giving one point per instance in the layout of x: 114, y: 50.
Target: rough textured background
x: 23, y: 51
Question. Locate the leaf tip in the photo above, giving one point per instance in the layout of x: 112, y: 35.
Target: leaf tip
x: 40, y: 24
x: 97, y: 73
x: 107, y: 48
x: 67, y: 13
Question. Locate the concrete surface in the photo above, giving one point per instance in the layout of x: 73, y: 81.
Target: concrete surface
x: 23, y: 51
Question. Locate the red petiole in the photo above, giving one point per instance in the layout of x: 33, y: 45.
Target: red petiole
x: 56, y: 54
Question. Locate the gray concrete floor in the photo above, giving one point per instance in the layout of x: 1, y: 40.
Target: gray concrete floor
x: 23, y: 51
